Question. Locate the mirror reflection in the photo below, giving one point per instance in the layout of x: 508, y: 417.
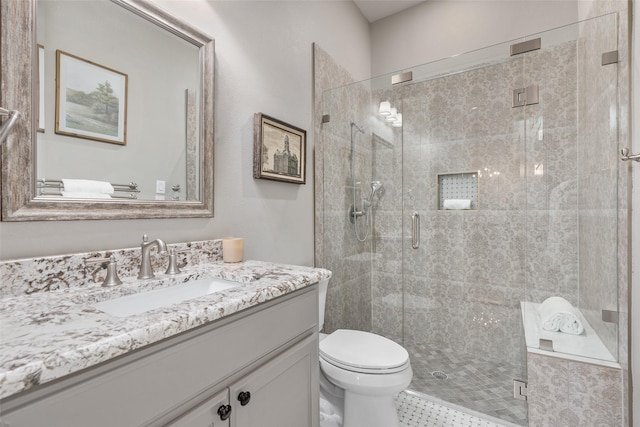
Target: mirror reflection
x: 119, y: 103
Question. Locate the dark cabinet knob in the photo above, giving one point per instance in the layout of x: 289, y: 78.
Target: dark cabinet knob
x: 224, y: 411
x: 244, y: 397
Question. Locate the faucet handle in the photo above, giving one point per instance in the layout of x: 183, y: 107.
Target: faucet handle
x: 111, y: 265
x: 173, y: 261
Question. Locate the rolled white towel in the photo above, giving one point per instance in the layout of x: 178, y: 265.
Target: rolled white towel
x: 84, y: 195
x: 456, y: 204
x: 87, y: 186
x: 557, y: 314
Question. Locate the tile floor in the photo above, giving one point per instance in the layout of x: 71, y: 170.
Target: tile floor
x: 416, y: 410
x: 484, y: 386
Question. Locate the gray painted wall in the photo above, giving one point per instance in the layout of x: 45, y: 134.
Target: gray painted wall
x: 263, y: 64
x: 438, y: 29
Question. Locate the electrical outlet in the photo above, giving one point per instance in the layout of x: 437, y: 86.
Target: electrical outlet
x: 160, y: 186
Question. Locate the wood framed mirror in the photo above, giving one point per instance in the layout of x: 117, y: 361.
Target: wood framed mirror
x: 22, y: 162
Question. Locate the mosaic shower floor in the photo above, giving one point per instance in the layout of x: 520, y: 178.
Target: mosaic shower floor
x: 481, y: 385
x: 415, y: 410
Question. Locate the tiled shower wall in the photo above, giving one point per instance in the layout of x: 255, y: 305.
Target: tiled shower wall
x: 349, y: 294
x: 464, y: 283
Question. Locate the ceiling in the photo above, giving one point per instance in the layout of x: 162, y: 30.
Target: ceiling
x: 378, y: 9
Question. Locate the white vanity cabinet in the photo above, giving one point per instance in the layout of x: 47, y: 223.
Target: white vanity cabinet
x: 269, y: 351
x: 215, y: 412
x: 278, y: 393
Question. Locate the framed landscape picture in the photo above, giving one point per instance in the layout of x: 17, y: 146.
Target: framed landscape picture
x: 279, y: 150
x: 91, y: 100
x: 40, y: 82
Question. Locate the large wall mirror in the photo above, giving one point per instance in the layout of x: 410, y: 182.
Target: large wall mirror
x: 117, y: 117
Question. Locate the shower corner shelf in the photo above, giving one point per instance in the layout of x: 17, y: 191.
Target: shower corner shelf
x: 458, y: 186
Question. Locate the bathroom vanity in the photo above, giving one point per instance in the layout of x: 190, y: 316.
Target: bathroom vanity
x: 245, y: 356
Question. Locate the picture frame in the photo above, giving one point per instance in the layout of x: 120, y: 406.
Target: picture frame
x: 91, y: 100
x: 279, y: 150
x: 40, y: 82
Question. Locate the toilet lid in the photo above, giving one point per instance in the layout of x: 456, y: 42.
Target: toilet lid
x: 363, y: 352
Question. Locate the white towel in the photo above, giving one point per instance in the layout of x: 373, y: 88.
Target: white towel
x: 557, y: 314
x: 87, y: 186
x: 457, y: 204
x: 84, y: 195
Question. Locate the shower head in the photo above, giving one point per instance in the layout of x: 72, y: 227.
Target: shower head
x: 375, y: 187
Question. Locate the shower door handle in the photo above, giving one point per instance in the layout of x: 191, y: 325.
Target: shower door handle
x: 415, y: 230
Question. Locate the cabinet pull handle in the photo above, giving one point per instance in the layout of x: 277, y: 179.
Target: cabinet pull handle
x: 224, y: 411
x: 244, y: 397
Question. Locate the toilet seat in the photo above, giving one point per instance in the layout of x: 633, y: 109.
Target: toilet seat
x: 363, y: 352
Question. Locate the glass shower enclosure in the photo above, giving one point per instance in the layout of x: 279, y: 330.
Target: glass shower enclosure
x: 460, y: 194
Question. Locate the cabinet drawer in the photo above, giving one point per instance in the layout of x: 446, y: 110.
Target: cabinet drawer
x: 161, y: 377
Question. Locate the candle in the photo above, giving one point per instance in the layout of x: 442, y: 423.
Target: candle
x: 232, y: 249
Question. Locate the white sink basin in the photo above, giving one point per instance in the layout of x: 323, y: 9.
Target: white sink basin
x: 145, y: 301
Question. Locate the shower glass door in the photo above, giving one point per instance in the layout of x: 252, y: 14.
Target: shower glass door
x: 493, y: 189
x: 464, y: 269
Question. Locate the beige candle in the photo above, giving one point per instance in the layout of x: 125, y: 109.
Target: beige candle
x: 232, y: 249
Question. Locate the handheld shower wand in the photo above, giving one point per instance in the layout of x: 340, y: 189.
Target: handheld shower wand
x: 376, y: 186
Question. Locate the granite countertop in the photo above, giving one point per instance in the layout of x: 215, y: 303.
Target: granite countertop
x: 49, y: 335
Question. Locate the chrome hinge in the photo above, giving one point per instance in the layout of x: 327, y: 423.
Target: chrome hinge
x: 402, y: 77
x: 524, y: 47
x: 519, y: 390
x: 610, y: 57
x: 525, y: 96
x: 610, y: 316
x: 545, y: 344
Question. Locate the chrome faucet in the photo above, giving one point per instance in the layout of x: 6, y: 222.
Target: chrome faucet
x: 146, y: 271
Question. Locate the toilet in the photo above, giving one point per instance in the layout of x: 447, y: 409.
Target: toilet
x: 360, y: 376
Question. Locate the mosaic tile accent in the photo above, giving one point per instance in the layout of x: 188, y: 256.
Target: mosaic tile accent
x: 472, y: 381
x: 423, y: 411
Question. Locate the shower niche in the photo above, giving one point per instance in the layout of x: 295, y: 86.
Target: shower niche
x: 458, y: 191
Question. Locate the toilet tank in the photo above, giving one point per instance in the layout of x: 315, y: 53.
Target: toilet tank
x: 323, y: 285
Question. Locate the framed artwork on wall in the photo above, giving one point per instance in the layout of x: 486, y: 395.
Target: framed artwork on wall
x: 40, y: 83
x: 279, y: 150
x: 91, y: 100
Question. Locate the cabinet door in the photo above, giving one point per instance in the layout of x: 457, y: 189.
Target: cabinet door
x: 281, y: 393
x: 207, y: 414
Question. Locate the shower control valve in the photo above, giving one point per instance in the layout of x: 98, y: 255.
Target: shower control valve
x: 353, y: 213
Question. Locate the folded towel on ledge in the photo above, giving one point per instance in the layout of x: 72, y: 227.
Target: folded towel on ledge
x: 84, y: 195
x: 87, y: 186
x: 456, y: 204
x: 557, y: 314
